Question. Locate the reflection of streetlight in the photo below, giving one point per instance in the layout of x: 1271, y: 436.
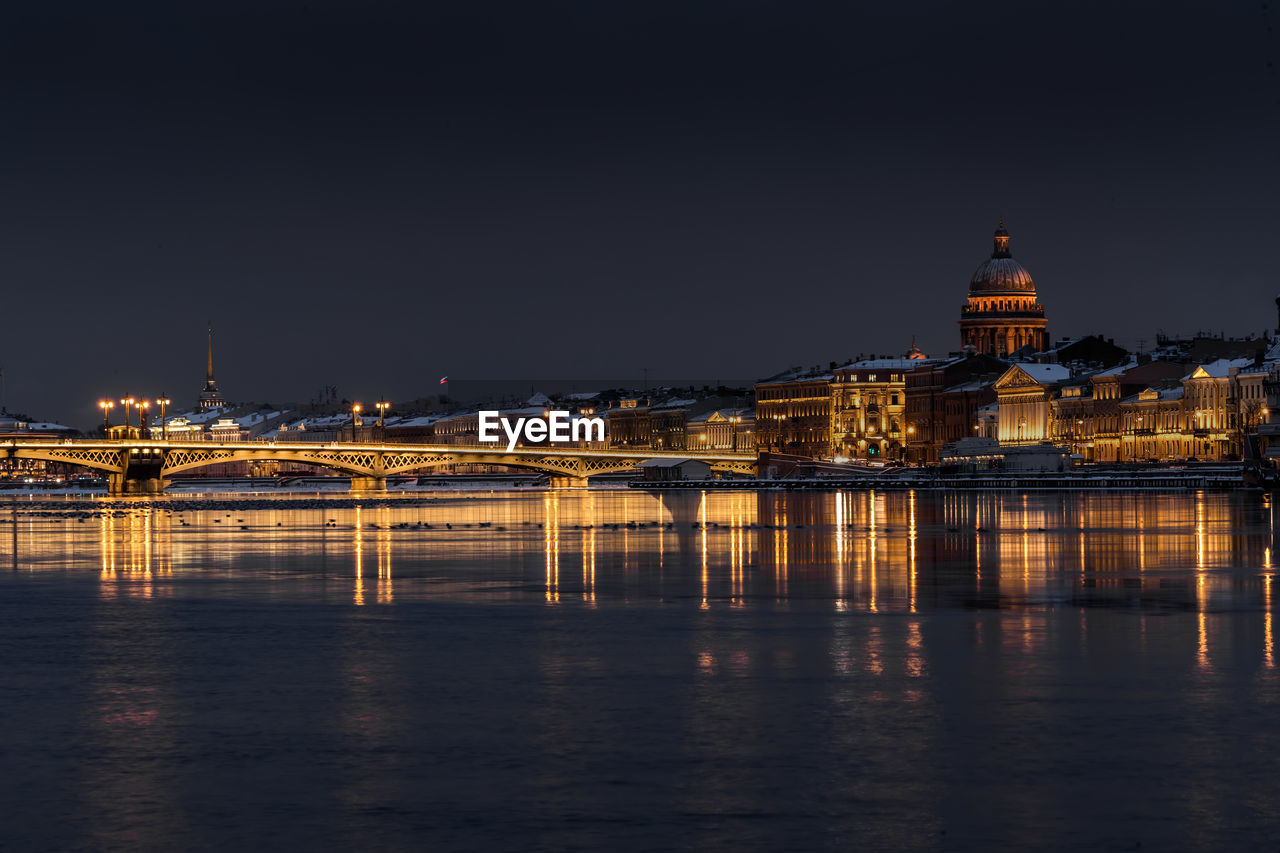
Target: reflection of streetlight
x: 106, y: 406
x: 163, y: 403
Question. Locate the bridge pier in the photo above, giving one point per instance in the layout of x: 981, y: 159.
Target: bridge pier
x: 568, y: 482
x: 368, y: 484
x: 122, y: 484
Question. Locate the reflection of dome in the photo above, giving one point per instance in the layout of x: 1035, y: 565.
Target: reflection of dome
x: 1001, y: 274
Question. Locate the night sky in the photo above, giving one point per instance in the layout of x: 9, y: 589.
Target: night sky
x: 371, y: 195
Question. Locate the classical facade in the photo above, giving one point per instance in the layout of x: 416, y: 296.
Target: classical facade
x: 1002, y: 314
x: 793, y: 414
x: 869, y: 405
x: 1023, y: 395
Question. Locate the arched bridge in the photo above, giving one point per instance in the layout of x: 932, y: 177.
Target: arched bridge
x: 141, y: 466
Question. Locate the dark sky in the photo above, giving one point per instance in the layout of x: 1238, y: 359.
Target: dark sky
x: 374, y: 194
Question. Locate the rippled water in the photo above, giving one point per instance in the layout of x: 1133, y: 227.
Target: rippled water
x: 619, y: 670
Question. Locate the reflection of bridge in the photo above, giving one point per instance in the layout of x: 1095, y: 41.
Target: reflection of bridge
x: 142, y: 467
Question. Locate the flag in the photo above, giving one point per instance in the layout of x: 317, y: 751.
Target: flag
x: 444, y: 380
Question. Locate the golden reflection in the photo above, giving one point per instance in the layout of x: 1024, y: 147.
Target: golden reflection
x: 589, y: 552
x: 702, y: 524
x: 385, y: 591
x: 359, y: 557
x: 134, y: 550
x: 911, y: 557
x: 551, y: 530
x: 871, y: 561
x: 1268, y: 639
x: 842, y: 523
x: 915, y: 650
x: 1202, y: 625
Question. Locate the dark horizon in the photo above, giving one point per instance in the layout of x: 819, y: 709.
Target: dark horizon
x: 375, y: 197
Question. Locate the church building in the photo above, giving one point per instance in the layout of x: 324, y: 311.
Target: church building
x: 1002, y: 315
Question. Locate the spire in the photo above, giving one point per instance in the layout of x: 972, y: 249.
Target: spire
x: 210, y: 398
x: 1001, y: 242
x: 208, y: 379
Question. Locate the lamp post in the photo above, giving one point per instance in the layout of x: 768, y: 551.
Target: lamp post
x: 382, y: 407
x: 733, y: 423
x: 163, y: 403
x: 143, y: 405
x: 127, y: 402
x: 355, y: 419
x: 106, y: 406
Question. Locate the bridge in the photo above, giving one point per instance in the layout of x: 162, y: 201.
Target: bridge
x: 142, y: 466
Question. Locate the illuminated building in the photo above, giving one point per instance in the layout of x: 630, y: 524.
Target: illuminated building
x: 627, y: 424
x: 942, y: 400
x: 721, y: 429
x: 793, y: 413
x: 1022, y: 395
x: 1002, y: 314
x: 868, y: 405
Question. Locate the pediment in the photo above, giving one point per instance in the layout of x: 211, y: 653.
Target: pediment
x: 1016, y: 377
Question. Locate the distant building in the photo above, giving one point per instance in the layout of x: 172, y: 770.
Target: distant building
x: 1002, y: 315
x: 210, y: 398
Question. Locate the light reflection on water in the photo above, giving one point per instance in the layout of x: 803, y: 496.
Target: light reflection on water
x: 861, y: 551
x: 630, y: 669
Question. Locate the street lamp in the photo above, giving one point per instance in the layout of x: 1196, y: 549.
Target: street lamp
x: 382, y: 407
x: 734, y: 420
x: 355, y: 419
x: 106, y: 406
x: 163, y: 403
x: 127, y: 402
x: 143, y: 405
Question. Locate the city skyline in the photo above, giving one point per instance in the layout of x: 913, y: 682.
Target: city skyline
x: 353, y: 200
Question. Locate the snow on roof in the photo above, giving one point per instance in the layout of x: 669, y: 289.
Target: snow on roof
x: 1043, y: 373
x: 890, y: 363
x: 1220, y: 368
x: 1119, y: 368
x: 48, y: 427
x: 425, y: 420
x: 675, y: 404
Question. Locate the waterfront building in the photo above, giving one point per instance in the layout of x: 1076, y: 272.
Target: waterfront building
x: 667, y: 424
x: 1022, y: 395
x: 1100, y: 436
x: 868, y: 407
x: 942, y: 400
x: 721, y: 429
x: 1002, y: 315
x: 1212, y: 408
x: 1153, y: 428
x: 627, y: 423
x: 793, y: 413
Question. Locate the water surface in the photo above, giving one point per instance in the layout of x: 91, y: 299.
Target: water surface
x: 619, y: 669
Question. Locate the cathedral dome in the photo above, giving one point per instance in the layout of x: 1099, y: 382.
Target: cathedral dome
x: 1001, y: 273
